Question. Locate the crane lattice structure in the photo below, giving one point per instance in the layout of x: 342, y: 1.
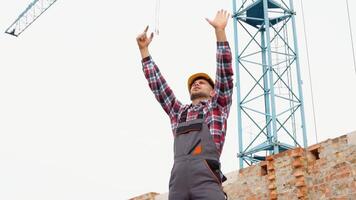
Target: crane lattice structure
x: 269, y: 86
x: 28, y: 16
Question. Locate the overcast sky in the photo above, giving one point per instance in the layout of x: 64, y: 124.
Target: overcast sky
x: 77, y: 119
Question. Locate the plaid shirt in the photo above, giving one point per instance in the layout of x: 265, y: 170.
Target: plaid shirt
x: 216, y: 110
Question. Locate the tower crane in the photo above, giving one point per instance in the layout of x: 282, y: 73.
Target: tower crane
x: 33, y: 11
x: 270, y: 100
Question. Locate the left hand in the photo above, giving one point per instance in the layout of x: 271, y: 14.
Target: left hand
x: 220, y: 20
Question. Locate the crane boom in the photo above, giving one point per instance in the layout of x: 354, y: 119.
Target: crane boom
x: 28, y: 16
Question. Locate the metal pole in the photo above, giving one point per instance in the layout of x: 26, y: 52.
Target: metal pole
x: 305, y: 141
x: 266, y: 86
x: 238, y: 92
x: 271, y: 82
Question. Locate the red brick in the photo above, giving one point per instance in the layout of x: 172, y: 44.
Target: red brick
x: 298, y: 173
x: 269, y: 158
x: 297, y: 163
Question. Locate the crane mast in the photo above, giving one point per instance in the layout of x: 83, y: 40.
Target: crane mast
x: 270, y: 98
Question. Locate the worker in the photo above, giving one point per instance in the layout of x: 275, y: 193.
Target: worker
x: 198, y: 128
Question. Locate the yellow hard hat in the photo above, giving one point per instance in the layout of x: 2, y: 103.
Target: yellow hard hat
x: 200, y: 75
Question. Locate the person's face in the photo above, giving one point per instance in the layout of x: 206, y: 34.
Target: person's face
x: 201, y: 89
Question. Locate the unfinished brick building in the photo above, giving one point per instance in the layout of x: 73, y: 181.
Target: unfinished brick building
x: 322, y: 171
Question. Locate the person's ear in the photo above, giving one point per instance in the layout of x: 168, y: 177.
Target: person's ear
x: 212, y: 93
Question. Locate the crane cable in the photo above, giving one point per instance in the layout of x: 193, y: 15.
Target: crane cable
x: 310, y: 78
x: 352, y: 41
x: 157, y: 12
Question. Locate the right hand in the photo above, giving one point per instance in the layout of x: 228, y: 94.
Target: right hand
x: 143, y: 41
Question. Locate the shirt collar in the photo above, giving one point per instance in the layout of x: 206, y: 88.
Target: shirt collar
x: 201, y: 103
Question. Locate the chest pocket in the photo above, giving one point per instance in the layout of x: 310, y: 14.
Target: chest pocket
x: 187, y: 135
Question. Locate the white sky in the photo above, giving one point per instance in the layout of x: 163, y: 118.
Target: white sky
x: 77, y: 119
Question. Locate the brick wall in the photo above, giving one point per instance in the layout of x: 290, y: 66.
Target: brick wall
x: 148, y: 196
x: 333, y: 174
x: 323, y: 171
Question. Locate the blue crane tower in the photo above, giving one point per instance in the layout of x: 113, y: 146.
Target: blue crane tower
x: 33, y: 11
x: 270, y: 108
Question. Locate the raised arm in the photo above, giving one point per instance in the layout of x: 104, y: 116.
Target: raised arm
x: 156, y: 81
x: 224, y: 72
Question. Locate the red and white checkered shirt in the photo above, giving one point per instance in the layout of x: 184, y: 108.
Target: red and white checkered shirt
x: 216, y: 110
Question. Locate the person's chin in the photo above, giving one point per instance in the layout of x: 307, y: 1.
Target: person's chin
x: 196, y: 95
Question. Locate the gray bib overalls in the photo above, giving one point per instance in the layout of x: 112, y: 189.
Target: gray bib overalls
x: 196, y: 171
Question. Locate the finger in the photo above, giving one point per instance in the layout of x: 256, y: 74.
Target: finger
x: 223, y: 13
x: 208, y: 20
x: 151, y: 36
x: 141, y: 36
x: 145, y: 31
